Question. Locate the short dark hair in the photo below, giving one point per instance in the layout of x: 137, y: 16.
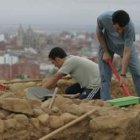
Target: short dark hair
x: 121, y: 18
x: 57, y: 52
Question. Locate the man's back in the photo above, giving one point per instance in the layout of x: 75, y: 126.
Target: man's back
x: 85, y: 72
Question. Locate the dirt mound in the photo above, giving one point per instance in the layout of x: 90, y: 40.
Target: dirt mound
x: 26, y: 119
x: 117, y: 90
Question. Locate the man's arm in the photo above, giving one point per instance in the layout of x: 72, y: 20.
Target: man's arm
x: 101, y: 39
x: 103, y: 44
x: 125, y: 59
x: 125, y: 62
x: 50, y: 82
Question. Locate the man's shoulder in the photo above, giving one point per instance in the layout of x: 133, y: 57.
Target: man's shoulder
x: 76, y: 59
x: 106, y: 14
x: 105, y: 20
x: 71, y: 57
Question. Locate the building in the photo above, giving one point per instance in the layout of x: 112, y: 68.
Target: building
x: 19, y: 70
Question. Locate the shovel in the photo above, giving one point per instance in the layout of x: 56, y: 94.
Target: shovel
x: 39, y: 93
x: 124, y: 88
x: 44, y: 93
x: 124, y: 101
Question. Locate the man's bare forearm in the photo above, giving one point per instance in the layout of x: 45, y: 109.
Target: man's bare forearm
x: 102, y: 40
x: 125, y: 60
x: 50, y: 82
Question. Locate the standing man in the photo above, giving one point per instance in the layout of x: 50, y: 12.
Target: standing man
x: 84, y: 71
x: 116, y: 34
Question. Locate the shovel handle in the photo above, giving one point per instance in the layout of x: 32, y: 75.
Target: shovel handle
x: 3, y: 87
x: 124, y: 88
x: 23, y: 81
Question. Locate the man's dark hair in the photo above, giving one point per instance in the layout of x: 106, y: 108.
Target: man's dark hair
x: 121, y: 18
x: 57, y: 52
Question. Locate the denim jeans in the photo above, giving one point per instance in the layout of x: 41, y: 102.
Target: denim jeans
x: 106, y: 74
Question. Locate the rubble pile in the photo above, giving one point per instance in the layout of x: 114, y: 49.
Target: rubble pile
x: 31, y: 119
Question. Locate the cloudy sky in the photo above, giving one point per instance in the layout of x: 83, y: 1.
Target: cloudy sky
x: 62, y: 12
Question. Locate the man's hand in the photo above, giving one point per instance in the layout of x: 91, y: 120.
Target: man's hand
x: 122, y: 80
x: 106, y: 57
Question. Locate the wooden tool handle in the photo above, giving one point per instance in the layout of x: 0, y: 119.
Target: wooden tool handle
x: 124, y: 88
x: 22, y: 81
x: 67, y: 125
x: 53, y: 98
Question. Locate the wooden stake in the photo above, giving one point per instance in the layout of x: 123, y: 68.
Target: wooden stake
x: 53, y: 98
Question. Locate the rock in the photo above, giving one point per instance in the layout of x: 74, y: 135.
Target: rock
x: 116, y: 125
x: 16, y: 105
x: 43, y: 118
x: 137, y: 106
x: 22, y: 135
x: 2, y: 126
x: 35, y: 103
x: 55, y: 122
x: 10, y: 123
x: 2, y: 115
x: 99, y: 102
x: 29, y: 84
x: 74, y: 109
x: 8, y: 95
x: 55, y: 109
x: 22, y: 121
x: 60, y: 100
x: 35, y: 123
x: 45, y: 105
x: 67, y: 117
x: 37, y: 111
x: 45, y: 130
x: 17, y: 86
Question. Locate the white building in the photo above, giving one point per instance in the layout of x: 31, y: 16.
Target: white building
x: 8, y: 59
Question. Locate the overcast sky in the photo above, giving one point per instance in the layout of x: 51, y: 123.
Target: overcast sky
x: 62, y: 12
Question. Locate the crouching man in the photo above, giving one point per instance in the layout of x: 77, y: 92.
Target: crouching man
x: 84, y: 71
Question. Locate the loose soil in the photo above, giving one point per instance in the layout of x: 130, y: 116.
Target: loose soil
x: 30, y: 119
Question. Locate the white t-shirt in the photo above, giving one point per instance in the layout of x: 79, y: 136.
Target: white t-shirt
x: 83, y: 70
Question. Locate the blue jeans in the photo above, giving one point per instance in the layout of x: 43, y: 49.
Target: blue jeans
x: 106, y: 74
